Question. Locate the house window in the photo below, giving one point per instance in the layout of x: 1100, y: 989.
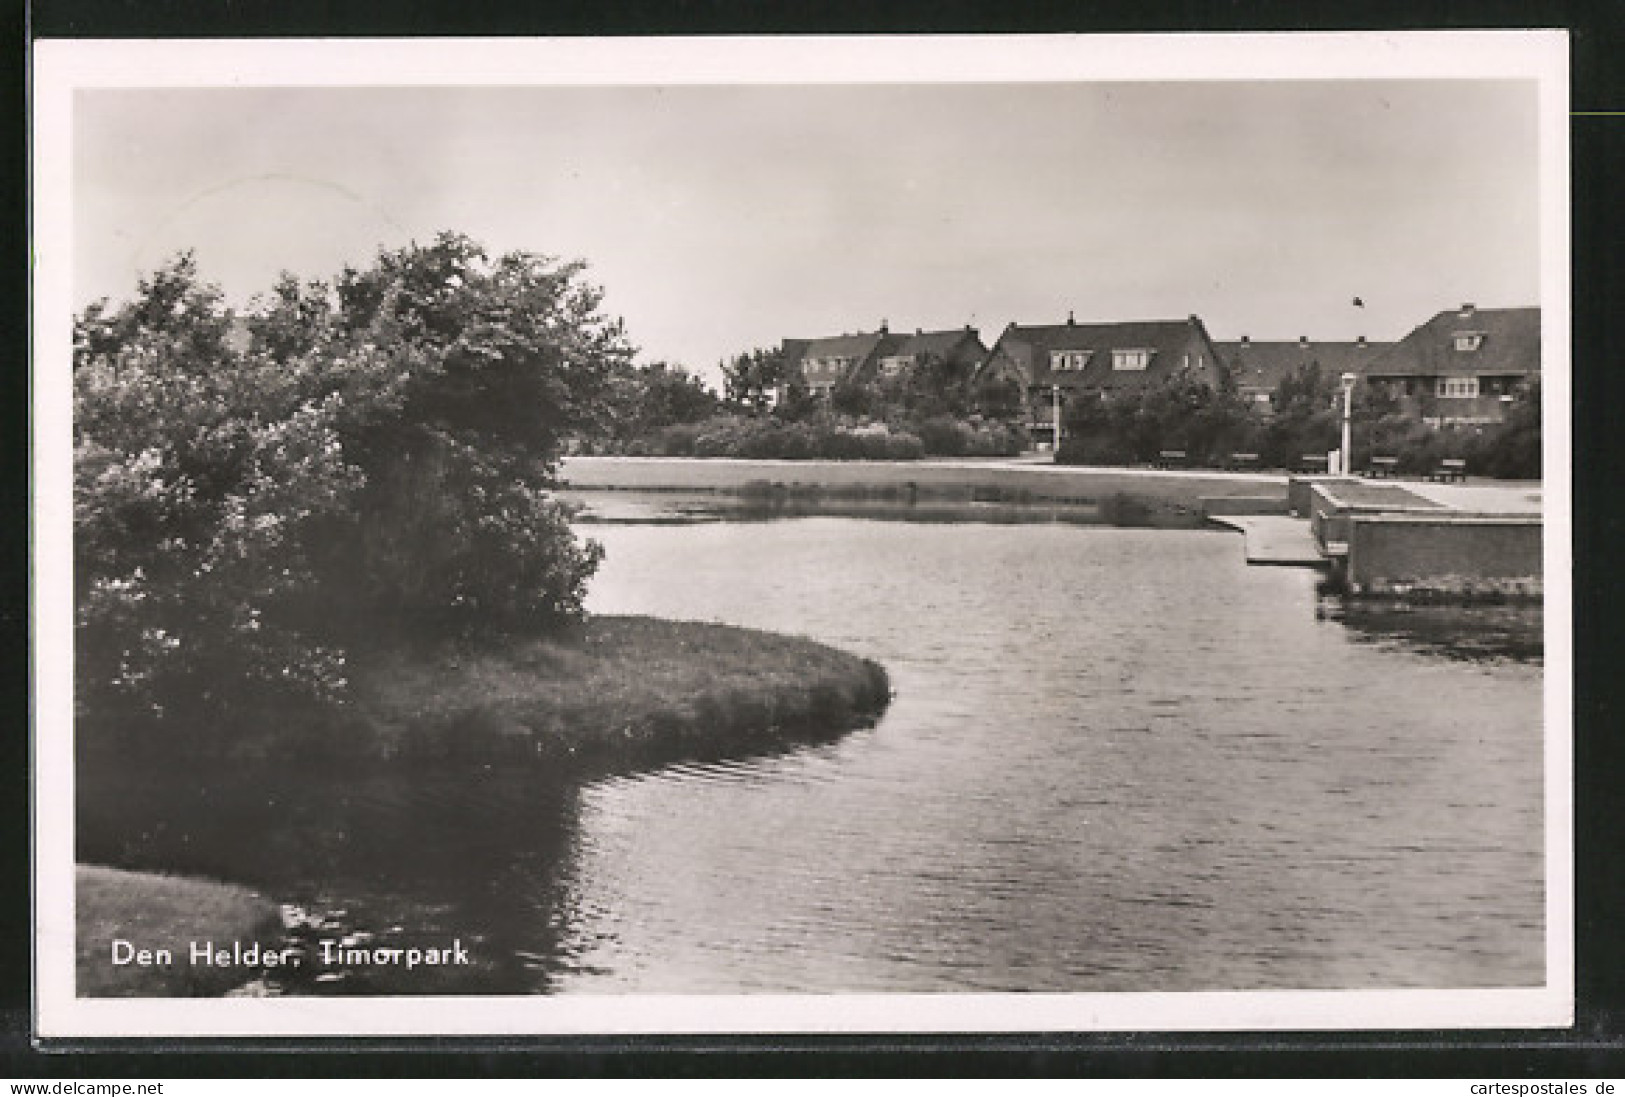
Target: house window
x: 1131, y: 359
x: 1456, y: 388
x: 1469, y: 340
x: 895, y: 364
x: 828, y: 367
x: 1068, y: 360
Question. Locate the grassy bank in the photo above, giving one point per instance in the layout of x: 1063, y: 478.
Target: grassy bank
x: 163, y: 912
x: 1177, y: 492
x: 610, y: 694
x: 615, y: 694
x: 620, y: 692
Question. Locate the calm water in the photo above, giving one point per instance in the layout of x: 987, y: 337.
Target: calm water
x: 1116, y: 760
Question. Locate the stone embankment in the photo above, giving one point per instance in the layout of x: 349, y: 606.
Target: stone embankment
x: 1427, y: 543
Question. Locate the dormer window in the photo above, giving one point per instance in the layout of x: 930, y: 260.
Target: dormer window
x: 1131, y: 358
x: 1063, y: 361
x: 1469, y: 340
x: 893, y: 365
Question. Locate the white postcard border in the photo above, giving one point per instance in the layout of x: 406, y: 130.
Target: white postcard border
x: 61, y: 67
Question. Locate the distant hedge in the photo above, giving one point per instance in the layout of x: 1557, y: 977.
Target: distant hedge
x: 749, y: 437
x: 1210, y: 426
x: 834, y: 438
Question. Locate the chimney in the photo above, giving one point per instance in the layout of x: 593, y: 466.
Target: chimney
x: 1467, y: 308
x: 919, y: 331
x: 1245, y: 341
x: 883, y: 327
x: 1303, y: 340
x: 1359, y: 341
x: 1069, y: 320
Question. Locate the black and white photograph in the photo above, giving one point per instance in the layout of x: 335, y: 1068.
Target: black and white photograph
x: 914, y: 534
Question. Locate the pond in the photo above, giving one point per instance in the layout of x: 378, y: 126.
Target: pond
x: 1116, y: 759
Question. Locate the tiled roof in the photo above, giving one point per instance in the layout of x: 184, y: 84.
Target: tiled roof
x: 1030, y: 347
x: 1510, y: 344
x: 865, y: 348
x: 1261, y: 366
x: 934, y: 342
x: 858, y: 345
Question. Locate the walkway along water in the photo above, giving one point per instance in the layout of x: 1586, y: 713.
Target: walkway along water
x: 1275, y: 539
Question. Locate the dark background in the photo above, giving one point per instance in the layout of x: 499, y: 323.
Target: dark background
x: 1593, y: 1048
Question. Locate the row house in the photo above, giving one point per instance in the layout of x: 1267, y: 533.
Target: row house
x: 1051, y: 365
x: 1464, y: 365
x: 866, y: 357
x: 1258, y: 367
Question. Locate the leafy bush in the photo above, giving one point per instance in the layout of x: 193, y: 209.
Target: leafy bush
x: 763, y: 438
x: 253, y: 492
x: 944, y: 436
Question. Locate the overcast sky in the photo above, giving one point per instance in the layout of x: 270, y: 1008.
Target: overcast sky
x: 718, y: 219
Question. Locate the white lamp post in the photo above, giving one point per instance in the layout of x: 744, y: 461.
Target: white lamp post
x: 1348, y: 404
x: 1055, y: 417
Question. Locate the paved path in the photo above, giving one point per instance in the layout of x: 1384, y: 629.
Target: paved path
x: 1485, y: 497
x: 1365, y: 493
x: 1272, y: 539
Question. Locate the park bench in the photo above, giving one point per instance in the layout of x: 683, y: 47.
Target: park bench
x: 1171, y: 459
x: 1383, y: 466
x: 1451, y: 468
x: 1312, y: 462
x: 1242, y: 461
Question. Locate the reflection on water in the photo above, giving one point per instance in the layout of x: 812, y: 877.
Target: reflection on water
x: 416, y: 859
x: 688, y: 508
x: 1470, y: 633
x: 1116, y: 760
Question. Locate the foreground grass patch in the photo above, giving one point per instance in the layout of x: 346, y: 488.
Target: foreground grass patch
x: 162, y: 912
x: 618, y: 692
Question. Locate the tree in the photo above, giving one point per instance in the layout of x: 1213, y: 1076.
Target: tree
x: 751, y: 378
x: 1136, y: 425
x: 646, y: 399
x: 931, y: 388
x: 1512, y: 447
x: 1306, y: 419
x: 1002, y: 398
x: 856, y: 399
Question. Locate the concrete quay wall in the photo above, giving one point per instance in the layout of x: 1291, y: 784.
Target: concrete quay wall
x: 1465, y: 554
x: 1333, y: 505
